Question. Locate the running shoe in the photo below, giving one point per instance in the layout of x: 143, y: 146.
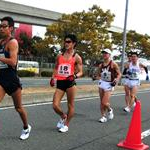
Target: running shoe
x: 64, y: 129
x: 110, y: 114
x: 127, y: 109
x: 25, y: 133
x: 103, y: 119
x: 134, y: 104
x: 61, y: 123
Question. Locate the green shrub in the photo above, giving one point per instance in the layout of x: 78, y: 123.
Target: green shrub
x: 25, y: 73
x: 46, y: 73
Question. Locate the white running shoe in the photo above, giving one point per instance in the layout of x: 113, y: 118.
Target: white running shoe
x: 61, y: 123
x: 134, y: 104
x: 110, y: 114
x: 127, y: 109
x: 103, y: 119
x: 64, y: 129
x: 25, y: 133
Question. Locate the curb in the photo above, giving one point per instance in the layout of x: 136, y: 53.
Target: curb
x: 45, y: 94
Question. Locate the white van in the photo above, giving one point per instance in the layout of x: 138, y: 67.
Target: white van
x: 31, y: 66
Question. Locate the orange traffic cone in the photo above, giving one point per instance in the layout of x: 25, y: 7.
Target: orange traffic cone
x: 133, y: 139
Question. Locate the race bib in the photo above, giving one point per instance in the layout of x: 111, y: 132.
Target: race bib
x: 106, y: 75
x: 133, y: 74
x: 3, y: 65
x: 64, y: 70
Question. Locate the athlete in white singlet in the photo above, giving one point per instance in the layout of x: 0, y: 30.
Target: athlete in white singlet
x: 133, y: 70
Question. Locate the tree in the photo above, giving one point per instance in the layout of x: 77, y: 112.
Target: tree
x: 35, y: 40
x: 43, y: 48
x: 24, y: 44
x: 134, y: 41
x: 90, y: 28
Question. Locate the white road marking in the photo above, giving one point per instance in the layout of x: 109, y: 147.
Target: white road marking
x: 64, y: 101
x: 145, y: 134
x: 46, y: 103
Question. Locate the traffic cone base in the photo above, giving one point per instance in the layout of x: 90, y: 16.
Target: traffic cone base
x: 124, y: 144
x: 133, y: 138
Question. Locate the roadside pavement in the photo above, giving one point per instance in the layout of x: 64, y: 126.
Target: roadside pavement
x: 45, y: 94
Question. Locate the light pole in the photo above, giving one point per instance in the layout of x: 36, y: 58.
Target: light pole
x: 124, y: 37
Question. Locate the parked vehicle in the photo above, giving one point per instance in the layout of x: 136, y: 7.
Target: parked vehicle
x: 31, y: 66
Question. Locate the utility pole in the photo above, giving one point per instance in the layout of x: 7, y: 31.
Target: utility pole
x: 124, y: 37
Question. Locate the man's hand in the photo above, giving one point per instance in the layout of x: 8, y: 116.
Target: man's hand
x: 72, y: 77
x: 52, y: 82
x: 114, y: 82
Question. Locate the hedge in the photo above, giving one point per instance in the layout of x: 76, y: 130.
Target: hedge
x: 25, y: 73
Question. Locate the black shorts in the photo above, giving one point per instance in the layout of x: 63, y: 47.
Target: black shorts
x: 65, y: 84
x: 9, y: 80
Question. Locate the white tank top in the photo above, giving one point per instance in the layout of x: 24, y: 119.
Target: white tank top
x: 134, y: 71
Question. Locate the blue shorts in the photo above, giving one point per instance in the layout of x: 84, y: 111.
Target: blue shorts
x: 9, y: 80
x: 65, y: 84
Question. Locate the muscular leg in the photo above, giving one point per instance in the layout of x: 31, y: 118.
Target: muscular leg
x: 102, y: 107
x: 56, y: 102
x: 133, y: 95
x: 106, y: 100
x: 17, y: 99
x: 127, y: 95
x: 70, y: 97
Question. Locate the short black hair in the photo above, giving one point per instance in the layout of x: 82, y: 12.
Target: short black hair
x: 9, y: 20
x: 129, y: 54
x: 135, y: 53
x: 72, y: 37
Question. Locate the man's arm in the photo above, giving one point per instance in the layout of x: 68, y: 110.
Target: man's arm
x: 125, y: 69
x: 79, y: 66
x: 117, y: 71
x: 146, y: 70
x: 118, y: 76
x: 12, y: 48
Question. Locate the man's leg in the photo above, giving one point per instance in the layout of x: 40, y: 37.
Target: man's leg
x: 70, y: 97
x: 127, y: 95
x: 58, y: 95
x: 133, y: 96
x: 17, y: 99
x: 102, y: 107
x: 106, y: 100
x: 105, y: 107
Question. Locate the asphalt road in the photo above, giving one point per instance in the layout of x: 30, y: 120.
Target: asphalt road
x: 85, y: 132
x: 42, y: 82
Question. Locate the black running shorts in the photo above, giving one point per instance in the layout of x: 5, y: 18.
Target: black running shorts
x: 9, y: 80
x: 65, y: 84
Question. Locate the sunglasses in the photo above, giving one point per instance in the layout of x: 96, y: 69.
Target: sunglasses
x: 105, y: 53
x: 68, y: 41
x: 3, y: 26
